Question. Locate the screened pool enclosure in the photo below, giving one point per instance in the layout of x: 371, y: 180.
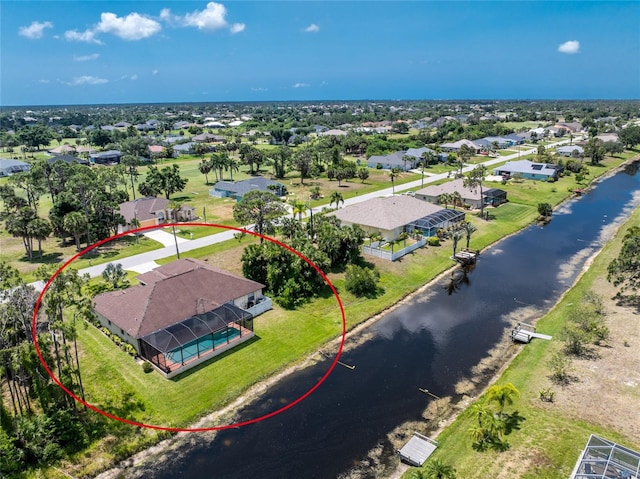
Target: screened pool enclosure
x: 198, y: 337
x: 430, y: 224
x: 604, y: 459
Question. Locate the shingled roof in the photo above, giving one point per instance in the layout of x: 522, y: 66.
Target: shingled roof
x: 171, y: 293
x: 386, y: 213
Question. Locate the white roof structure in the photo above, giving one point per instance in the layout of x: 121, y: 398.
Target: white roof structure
x: 604, y: 459
x: 418, y: 449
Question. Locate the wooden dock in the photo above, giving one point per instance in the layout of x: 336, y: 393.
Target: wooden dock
x: 466, y: 256
x: 524, y: 333
x: 418, y: 449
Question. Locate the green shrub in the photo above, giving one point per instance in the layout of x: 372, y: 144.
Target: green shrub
x: 361, y: 281
x: 147, y: 367
x: 433, y: 241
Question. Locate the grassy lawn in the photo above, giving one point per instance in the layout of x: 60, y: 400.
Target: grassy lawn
x: 549, y: 442
x: 110, y: 375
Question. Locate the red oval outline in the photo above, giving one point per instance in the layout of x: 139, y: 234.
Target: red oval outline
x: 179, y: 429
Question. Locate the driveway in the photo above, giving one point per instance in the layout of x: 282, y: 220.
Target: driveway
x: 166, y: 239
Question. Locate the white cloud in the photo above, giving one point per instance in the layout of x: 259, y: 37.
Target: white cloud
x: 570, y: 47
x: 88, y: 36
x: 44, y: 81
x: 259, y: 89
x: 133, y: 77
x: 155, y: 72
x: 132, y: 27
x: 237, y: 28
x: 87, y: 80
x: 211, y: 18
x: 86, y: 58
x: 35, y: 30
x: 300, y: 85
x: 313, y: 28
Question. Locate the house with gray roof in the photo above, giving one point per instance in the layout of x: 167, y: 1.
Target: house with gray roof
x: 456, y: 145
x: 529, y: 170
x: 237, y: 189
x: 570, y: 150
x: 389, y: 216
x: 392, y: 160
x: 67, y: 159
x: 9, y: 167
x: 108, y: 157
x: 470, y: 196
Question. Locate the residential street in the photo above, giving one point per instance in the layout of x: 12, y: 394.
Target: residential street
x: 144, y: 261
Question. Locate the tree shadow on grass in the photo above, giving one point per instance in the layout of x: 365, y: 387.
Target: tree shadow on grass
x: 47, y: 258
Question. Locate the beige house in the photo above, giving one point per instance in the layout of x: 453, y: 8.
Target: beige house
x: 470, y: 196
x: 151, y: 212
x: 391, y: 215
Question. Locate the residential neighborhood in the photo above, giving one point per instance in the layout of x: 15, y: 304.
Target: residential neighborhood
x: 381, y: 207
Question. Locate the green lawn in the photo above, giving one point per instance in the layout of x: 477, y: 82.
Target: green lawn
x: 549, y: 442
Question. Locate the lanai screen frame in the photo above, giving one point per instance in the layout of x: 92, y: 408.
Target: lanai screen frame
x: 155, y: 346
x: 604, y: 459
x: 430, y: 224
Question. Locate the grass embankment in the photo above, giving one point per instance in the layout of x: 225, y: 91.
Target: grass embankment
x: 283, y: 337
x: 553, y: 434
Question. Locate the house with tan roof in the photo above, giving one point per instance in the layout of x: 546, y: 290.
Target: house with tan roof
x: 151, y: 211
x: 390, y: 216
x: 470, y: 196
x: 183, y: 313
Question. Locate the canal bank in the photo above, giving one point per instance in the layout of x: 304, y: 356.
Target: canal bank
x: 426, y: 352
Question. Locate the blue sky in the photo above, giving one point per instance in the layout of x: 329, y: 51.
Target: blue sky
x: 88, y: 52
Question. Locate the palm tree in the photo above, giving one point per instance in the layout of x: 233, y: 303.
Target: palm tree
x: 474, y: 181
x: 40, y: 229
x: 445, y: 199
x: 503, y: 395
x: 75, y: 223
x: 336, y: 197
x: 393, y: 174
x: 231, y: 166
x: 469, y: 228
x: 205, y: 168
x: 456, y: 236
x: 406, y: 158
x: 114, y: 274
x: 403, y: 237
x: 464, y: 156
x: 298, y: 207
x: 456, y: 199
x: 436, y: 469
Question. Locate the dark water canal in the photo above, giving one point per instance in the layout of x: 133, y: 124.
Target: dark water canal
x: 431, y: 342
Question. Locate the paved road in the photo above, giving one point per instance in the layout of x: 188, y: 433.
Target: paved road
x: 139, y: 261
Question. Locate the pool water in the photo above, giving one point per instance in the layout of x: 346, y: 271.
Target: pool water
x: 205, y: 345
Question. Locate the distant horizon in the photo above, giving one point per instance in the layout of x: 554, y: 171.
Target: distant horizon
x: 104, y: 52
x: 334, y: 100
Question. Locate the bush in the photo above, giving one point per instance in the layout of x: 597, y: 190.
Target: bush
x: 361, y: 281
x: 433, y: 241
x: 147, y: 367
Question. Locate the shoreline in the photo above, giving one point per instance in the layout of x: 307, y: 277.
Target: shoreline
x: 485, y: 373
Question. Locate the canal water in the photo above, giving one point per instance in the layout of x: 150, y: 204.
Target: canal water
x: 431, y: 342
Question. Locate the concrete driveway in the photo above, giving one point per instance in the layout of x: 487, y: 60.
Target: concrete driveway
x: 166, y: 239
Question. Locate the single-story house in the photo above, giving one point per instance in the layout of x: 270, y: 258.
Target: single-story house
x: 151, y: 211
x: 456, y: 145
x: 106, y: 157
x: 179, y: 125
x: 156, y: 149
x: 183, y: 313
x: 418, y: 152
x: 393, y: 160
x: 529, y: 170
x: 389, y: 216
x: 606, y: 137
x: 63, y: 150
x: 570, y: 150
x: 237, y: 189
x: 334, y: 132
x: 184, y: 148
x: 470, y: 196
x: 9, y: 167
x: 208, y: 138
x: 67, y: 159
